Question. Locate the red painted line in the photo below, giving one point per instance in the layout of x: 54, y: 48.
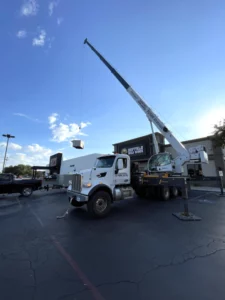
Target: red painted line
x: 95, y: 293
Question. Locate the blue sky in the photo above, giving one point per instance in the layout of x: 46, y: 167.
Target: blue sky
x: 171, y: 52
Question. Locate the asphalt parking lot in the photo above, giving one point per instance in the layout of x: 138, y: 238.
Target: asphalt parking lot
x: 140, y: 251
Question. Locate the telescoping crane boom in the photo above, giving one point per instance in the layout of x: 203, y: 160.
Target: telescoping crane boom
x: 161, y: 162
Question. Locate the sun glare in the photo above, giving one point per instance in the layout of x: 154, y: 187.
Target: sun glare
x: 206, y: 122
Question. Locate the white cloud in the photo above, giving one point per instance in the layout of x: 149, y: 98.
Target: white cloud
x: 27, y: 117
x: 29, y: 8
x: 38, y: 155
x: 83, y: 125
x: 59, y: 21
x: 51, y: 7
x: 63, y: 132
x: 40, y: 40
x: 21, y: 34
x: 37, y: 149
x: 11, y: 146
x: 32, y: 155
x: 26, y: 159
x: 52, y: 119
x: 14, y: 146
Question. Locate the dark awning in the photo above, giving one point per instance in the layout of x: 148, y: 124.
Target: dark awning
x: 42, y: 168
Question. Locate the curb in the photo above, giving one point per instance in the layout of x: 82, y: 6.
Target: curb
x: 206, y: 190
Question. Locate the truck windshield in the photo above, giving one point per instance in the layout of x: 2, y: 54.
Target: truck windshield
x: 104, y: 162
x: 161, y: 159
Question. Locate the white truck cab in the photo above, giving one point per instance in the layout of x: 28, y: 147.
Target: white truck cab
x: 109, y: 180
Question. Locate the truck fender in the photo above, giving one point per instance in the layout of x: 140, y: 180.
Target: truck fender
x: 100, y: 187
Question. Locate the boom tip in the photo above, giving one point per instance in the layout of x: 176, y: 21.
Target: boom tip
x: 85, y: 41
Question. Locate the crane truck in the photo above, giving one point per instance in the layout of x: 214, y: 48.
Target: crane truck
x: 112, y: 178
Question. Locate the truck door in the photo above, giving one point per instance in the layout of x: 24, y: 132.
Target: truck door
x: 122, y: 176
x: 5, y: 184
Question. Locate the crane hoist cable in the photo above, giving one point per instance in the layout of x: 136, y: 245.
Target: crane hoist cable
x: 82, y: 82
x: 79, y: 144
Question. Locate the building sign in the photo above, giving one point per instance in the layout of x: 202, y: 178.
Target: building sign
x: 53, y: 162
x: 137, y: 150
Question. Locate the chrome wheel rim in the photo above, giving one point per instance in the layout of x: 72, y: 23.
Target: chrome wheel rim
x: 27, y: 191
x: 175, y: 191
x: 166, y: 193
x: 101, y: 205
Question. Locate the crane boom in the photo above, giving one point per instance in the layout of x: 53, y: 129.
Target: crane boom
x: 156, y: 146
x: 152, y: 117
x: 160, y: 162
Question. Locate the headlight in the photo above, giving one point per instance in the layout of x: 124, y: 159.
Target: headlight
x: 87, y: 184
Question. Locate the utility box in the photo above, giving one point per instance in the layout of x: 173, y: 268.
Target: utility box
x: 78, y: 144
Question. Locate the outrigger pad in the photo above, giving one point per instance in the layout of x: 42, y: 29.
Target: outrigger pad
x: 78, y: 144
x: 190, y: 217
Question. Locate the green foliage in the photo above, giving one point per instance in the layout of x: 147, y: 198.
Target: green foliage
x: 219, y: 135
x: 24, y: 170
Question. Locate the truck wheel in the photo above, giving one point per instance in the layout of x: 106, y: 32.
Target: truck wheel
x: 100, y: 204
x: 174, y: 192
x: 165, y: 193
x: 75, y: 203
x: 26, y: 191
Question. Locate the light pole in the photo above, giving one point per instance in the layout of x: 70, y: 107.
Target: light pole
x: 8, y: 136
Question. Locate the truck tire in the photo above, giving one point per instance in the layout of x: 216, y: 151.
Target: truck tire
x: 174, y: 191
x: 27, y: 191
x: 100, y: 204
x: 165, y: 193
x: 75, y: 203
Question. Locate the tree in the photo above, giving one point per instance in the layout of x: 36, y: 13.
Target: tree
x: 219, y: 135
x: 24, y: 170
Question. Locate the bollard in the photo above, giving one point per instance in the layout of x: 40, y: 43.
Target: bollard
x: 186, y: 215
x: 185, y: 197
x: 221, y: 181
x: 221, y: 185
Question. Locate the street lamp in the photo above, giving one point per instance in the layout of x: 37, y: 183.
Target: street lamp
x: 8, y: 136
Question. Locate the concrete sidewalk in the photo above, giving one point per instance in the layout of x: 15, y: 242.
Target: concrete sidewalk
x: 207, y: 189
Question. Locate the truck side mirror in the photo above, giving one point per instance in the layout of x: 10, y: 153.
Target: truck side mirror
x: 120, y: 164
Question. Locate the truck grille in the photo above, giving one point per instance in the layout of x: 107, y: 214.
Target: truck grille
x: 76, y: 182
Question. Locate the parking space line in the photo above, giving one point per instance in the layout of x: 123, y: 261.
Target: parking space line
x: 95, y: 293
x: 90, y: 287
x: 37, y: 217
x: 203, y: 195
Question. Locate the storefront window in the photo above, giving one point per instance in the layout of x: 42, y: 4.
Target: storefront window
x: 194, y: 170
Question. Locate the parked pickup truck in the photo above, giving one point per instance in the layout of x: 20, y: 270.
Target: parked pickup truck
x: 9, y: 185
